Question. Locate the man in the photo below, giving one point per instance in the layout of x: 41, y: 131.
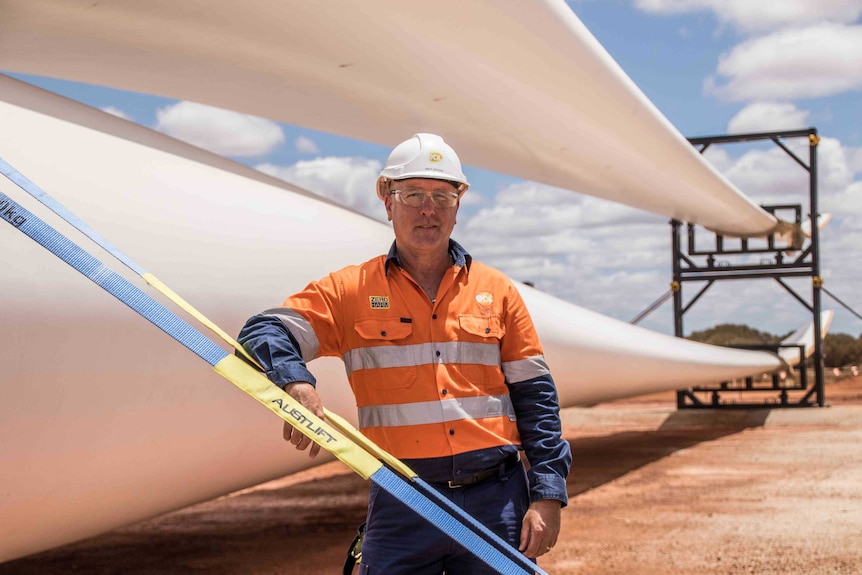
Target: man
x: 446, y: 368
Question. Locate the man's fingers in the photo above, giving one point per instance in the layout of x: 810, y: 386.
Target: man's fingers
x: 300, y: 441
x: 540, y: 528
x: 294, y: 436
x: 535, y: 549
x: 315, y: 449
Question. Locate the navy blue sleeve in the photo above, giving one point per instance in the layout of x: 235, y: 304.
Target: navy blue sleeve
x: 538, y: 410
x: 271, y: 344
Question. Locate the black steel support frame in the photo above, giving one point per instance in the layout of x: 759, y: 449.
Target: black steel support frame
x: 806, y: 263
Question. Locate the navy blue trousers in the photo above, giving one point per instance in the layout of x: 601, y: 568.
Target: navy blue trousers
x: 398, y: 541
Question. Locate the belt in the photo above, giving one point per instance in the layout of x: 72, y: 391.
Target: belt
x: 506, y: 465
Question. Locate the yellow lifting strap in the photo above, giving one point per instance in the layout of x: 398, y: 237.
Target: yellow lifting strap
x: 231, y: 369
x: 276, y: 400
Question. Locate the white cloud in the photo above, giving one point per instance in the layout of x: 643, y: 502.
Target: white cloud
x: 718, y: 157
x: 748, y: 15
x: 769, y: 175
x: 835, y: 172
x: 854, y: 159
x: 474, y: 198
x: 849, y: 203
x: 797, y: 63
x: 305, y: 145
x: 768, y: 117
x: 221, y: 131
x: 116, y: 112
x: 349, y: 181
x: 575, y: 247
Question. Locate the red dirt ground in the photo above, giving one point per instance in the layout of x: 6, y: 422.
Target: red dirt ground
x: 653, y: 491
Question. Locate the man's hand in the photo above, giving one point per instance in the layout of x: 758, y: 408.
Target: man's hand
x: 540, y: 528
x: 306, y: 394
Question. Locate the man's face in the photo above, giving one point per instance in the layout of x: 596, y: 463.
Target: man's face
x: 425, y: 228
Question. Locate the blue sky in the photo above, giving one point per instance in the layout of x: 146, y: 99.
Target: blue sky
x: 711, y: 66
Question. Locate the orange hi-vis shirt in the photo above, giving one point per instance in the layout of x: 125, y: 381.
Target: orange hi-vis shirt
x: 430, y: 377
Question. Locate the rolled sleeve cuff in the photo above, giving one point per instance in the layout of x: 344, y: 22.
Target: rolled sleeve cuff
x: 290, y: 373
x: 548, y: 486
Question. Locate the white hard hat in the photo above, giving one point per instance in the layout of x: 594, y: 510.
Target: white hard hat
x: 422, y: 156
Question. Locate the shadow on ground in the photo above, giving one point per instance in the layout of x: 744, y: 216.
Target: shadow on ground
x: 600, y: 460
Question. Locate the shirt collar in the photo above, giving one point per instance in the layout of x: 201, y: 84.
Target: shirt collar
x: 456, y: 250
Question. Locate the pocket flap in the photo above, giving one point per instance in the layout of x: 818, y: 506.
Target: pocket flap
x: 483, y: 325
x: 386, y: 329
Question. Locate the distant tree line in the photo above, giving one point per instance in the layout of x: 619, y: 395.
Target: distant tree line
x: 839, y: 349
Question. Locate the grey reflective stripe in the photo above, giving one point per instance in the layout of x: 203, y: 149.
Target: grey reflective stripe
x: 436, y: 411
x: 524, y: 369
x: 382, y: 356
x: 309, y: 345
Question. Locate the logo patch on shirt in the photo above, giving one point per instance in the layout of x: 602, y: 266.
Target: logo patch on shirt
x: 379, y: 301
x: 484, y: 298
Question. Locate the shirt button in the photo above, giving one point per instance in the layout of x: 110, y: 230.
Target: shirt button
x: 438, y: 353
x: 434, y: 316
x: 487, y: 330
x: 383, y: 333
x: 451, y: 432
x: 444, y: 392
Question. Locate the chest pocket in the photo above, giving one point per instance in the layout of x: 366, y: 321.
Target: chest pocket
x: 486, y: 326
x: 377, y: 365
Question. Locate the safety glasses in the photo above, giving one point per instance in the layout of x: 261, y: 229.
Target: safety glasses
x: 415, y: 197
